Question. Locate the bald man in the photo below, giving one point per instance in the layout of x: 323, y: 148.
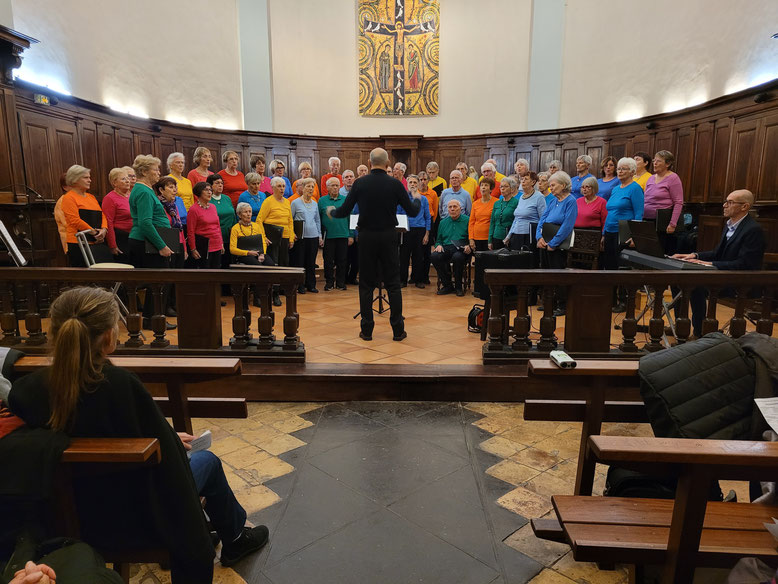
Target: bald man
x: 741, y: 247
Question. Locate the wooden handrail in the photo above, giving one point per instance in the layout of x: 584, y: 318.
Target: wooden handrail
x: 274, y: 275
x: 152, y: 366
x: 114, y: 450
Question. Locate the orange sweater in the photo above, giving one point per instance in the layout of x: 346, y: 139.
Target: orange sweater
x: 296, y: 196
x: 480, y: 215
x: 71, y: 203
x: 432, y: 197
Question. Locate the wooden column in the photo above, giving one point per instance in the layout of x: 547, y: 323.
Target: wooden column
x: 588, y: 319
x: 199, y: 314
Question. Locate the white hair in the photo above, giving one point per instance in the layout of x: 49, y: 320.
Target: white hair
x: 402, y: 166
x: 629, y: 162
x: 511, y: 182
x: 75, y: 173
x: 488, y: 166
x: 562, y: 178
x: 333, y: 159
x: 458, y: 203
x: 276, y: 180
x: 333, y: 180
x: 345, y: 172
x: 172, y: 157
x: 524, y: 161
x: 557, y: 163
x: 590, y: 181
x: 459, y: 172
x: 585, y: 158
x: 241, y: 207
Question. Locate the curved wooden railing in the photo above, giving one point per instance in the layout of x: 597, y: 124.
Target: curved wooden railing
x: 26, y: 294
x: 589, y: 325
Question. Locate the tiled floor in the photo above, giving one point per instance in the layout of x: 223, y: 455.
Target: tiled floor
x: 396, y: 492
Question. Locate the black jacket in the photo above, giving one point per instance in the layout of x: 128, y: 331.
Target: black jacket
x: 378, y: 195
x: 743, y: 251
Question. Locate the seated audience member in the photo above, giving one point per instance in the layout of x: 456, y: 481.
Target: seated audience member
x: 502, y: 213
x: 253, y: 195
x: 77, y: 199
x: 498, y: 176
x: 234, y: 181
x: 203, y: 221
x: 224, y: 210
x: 436, y: 182
x: 334, y: 164
x: 362, y: 170
x: 434, y: 205
x: 582, y: 165
x: 741, y: 247
x: 609, y: 179
x: 116, y: 209
x: 554, y: 166
x: 454, y: 192
x: 562, y: 212
x: 643, y: 160
x: 245, y: 227
x: 306, y: 209
x: 529, y: 208
x: 480, y: 216
x: 202, y: 159
x: 257, y: 162
x: 398, y: 172
x: 543, y: 184
x: 489, y: 170
x: 468, y: 183
x: 664, y: 191
x: 335, y: 232
x: 83, y: 394
x: 414, y: 240
x: 175, y: 167
x: 591, y: 208
x: 305, y: 171
x: 452, y: 246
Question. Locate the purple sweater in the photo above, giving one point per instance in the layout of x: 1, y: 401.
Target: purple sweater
x: 666, y: 194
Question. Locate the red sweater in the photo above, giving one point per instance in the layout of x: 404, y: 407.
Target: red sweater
x: 195, y: 177
x: 233, y: 186
x: 327, y: 177
x: 204, y: 222
x: 591, y: 215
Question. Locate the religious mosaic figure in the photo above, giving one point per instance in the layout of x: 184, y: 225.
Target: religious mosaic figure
x: 398, y: 57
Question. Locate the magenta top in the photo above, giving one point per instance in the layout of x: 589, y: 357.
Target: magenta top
x: 666, y: 194
x: 591, y: 215
x: 117, y: 215
x: 195, y: 177
x: 204, y: 222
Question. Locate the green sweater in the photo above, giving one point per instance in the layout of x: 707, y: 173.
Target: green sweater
x: 450, y: 230
x: 226, y: 213
x: 333, y: 228
x: 147, y: 213
x: 502, y: 218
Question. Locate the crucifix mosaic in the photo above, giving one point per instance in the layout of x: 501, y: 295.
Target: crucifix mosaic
x: 398, y: 57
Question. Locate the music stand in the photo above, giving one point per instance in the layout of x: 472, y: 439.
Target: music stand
x: 10, y: 245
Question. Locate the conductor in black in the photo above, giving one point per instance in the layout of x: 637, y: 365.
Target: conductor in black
x: 378, y: 196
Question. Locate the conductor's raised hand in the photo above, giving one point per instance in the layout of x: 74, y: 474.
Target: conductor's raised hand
x: 330, y: 209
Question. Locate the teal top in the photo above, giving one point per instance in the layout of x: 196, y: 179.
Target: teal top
x: 226, y: 213
x: 147, y: 213
x: 502, y: 218
x: 450, y: 230
x: 333, y: 228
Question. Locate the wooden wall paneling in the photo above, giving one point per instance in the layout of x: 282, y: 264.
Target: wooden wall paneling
x: 350, y: 159
x: 595, y: 149
x: 684, y: 156
x: 38, y: 157
x: 664, y: 140
x: 125, y: 147
x: 449, y: 157
x: 106, y: 143
x: 11, y: 159
x: 522, y: 151
x: 144, y: 144
x: 166, y: 145
x: 500, y: 155
x: 770, y: 228
x: 643, y: 143
x: 767, y: 190
x: 745, y: 156
x: 709, y: 231
x: 700, y: 163
x: 570, y: 153
x: 87, y: 130
x: 546, y: 153
x: 67, y: 146
x: 616, y: 148
x: 423, y: 156
x: 722, y: 132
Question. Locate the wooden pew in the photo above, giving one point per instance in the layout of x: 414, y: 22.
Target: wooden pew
x: 98, y: 455
x: 175, y: 373
x: 680, y: 534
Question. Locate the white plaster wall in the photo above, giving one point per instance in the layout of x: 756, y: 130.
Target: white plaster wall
x: 483, y: 70
x: 169, y: 60
x: 628, y: 58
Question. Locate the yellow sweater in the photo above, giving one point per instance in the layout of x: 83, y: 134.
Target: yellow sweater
x: 184, y: 190
x: 278, y: 213
x: 239, y: 230
x: 642, y: 180
x: 470, y: 186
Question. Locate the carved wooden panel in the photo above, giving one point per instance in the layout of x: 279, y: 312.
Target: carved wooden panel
x: 709, y: 232
x: 106, y: 142
x: 745, y: 157
x: 720, y: 162
x: 684, y: 155
x: 768, y: 175
x: 595, y: 151
x: 125, y: 152
x: 701, y: 163
x: 664, y: 140
x: 500, y: 156
x: 166, y: 145
x: 351, y: 159
x: 144, y: 144
x: 570, y: 154
x: 643, y: 143
x: 90, y: 157
x: 51, y: 146
x: 547, y: 154
x: 448, y: 162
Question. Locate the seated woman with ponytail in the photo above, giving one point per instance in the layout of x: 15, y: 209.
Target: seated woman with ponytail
x: 84, y: 395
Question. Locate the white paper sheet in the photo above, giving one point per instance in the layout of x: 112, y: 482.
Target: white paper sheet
x: 769, y: 408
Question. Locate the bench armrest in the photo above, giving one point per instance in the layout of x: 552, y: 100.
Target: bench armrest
x: 585, y: 368
x: 113, y: 450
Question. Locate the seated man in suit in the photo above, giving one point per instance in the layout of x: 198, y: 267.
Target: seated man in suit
x: 452, y: 245
x: 741, y: 247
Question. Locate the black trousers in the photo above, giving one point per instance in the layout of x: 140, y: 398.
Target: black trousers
x: 140, y: 259
x: 441, y: 261
x: 100, y: 252
x: 250, y: 260
x: 280, y: 252
x: 497, y: 243
x: 518, y: 241
x: 428, y: 251
x: 335, y: 254
x: 412, y: 248
x: 379, y: 261
x: 309, y: 247
x: 481, y: 244
x: 352, y: 270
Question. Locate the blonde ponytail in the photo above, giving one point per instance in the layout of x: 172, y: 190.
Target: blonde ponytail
x: 79, y: 319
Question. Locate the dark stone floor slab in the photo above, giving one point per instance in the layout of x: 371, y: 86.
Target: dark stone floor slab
x: 387, y: 465
x: 337, y: 426
x: 442, y: 427
x: 392, y: 413
x: 381, y: 549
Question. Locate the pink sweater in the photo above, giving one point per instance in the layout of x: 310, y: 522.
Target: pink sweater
x: 591, y: 215
x: 117, y: 214
x: 204, y: 222
x: 668, y: 193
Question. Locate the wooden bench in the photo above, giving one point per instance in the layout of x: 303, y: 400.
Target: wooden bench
x: 680, y: 534
x: 175, y: 373
x: 99, y: 455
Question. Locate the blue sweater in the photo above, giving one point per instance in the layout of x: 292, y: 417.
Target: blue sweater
x: 309, y: 213
x: 527, y: 211
x: 577, y: 180
x: 625, y: 203
x: 423, y: 219
x: 254, y: 200
x: 562, y: 213
x: 605, y: 188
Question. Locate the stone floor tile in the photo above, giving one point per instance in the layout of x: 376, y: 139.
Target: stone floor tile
x: 535, y: 458
x: 301, y: 408
x: 587, y: 572
x: 544, y: 551
x: 566, y: 470
x: 502, y: 447
x: 238, y: 426
x: 256, y: 498
x: 550, y: 577
x: 500, y: 423
x: 264, y: 470
x: 564, y: 445
x: 268, y: 417
x: 512, y: 472
x: 524, y: 434
x: 260, y: 407
x: 280, y: 444
x: 525, y: 503
x: 546, y: 484
x: 244, y: 457
x: 227, y: 445
x: 289, y: 425
x: 261, y: 433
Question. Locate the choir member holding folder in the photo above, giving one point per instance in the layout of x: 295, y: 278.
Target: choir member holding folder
x: 82, y: 213
x: 203, y: 229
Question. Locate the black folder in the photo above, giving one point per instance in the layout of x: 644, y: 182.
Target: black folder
x: 122, y: 239
x: 273, y: 232
x: 94, y: 218
x: 663, y: 217
x: 298, y: 228
x: 550, y: 230
x: 251, y: 243
x: 460, y: 243
x: 201, y: 245
x: 171, y: 237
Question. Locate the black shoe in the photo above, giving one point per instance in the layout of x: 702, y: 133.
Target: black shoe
x: 342, y: 288
x: 460, y: 292
x: 365, y: 336
x: 147, y: 325
x: 224, y: 303
x: 620, y: 307
x: 328, y: 287
x: 445, y: 290
x: 215, y: 539
x: 427, y: 282
x: 170, y: 326
x: 171, y: 312
x: 313, y: 290
x: 404, y: 285
x: 251, y: 540
x: 559, y: 312
x: 400, y: 337
x: 256, y: 302
x: 301, y: 289
x: 540, y: 308
x: 276, y: 300
x: 420, y: 285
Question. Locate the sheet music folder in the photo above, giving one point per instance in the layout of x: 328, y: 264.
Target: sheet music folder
x: 251, y: 243
x: 171, y: 237
x: 550, y: 230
